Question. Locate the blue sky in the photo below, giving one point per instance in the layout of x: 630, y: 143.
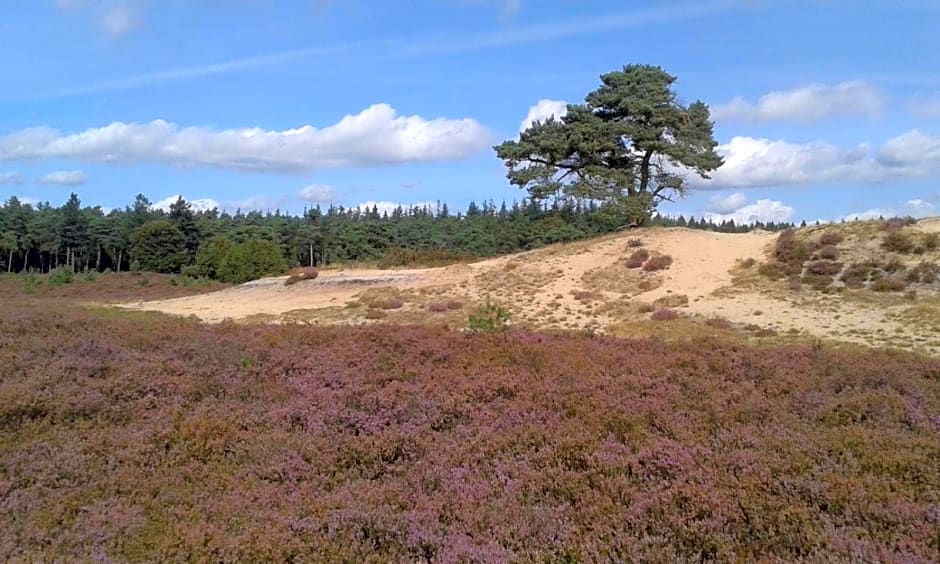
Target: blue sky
x: 823, y: 108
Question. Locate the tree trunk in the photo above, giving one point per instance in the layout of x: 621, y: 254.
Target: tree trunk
x: 120, y: 259
x: 10, y: 262
x: 645, y: 171
x: 98, y: 262
x: 311, y: 254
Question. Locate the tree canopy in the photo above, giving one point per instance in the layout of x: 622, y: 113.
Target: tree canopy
x: 631, y: 144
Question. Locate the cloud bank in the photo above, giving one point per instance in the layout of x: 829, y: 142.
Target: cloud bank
x: 815, y: 102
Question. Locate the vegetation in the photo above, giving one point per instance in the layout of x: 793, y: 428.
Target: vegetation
x: 251, y: 260
x: 135, y: 438
x: 300, y: 275
x: 489, y: 318
x: 625, y: 146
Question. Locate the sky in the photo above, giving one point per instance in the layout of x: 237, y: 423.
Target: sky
x: 824, y: 109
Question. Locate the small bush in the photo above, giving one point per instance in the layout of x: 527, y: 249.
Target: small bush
x: 143, y: 281
x: 897, y: 223
x: 930, y: 241
x: 773, y: 270
x: 831, y: 238
x: 646, y: 308
x: 672, y: 301
x: 441, y: 307
x: 375, y: 314
x: 893, y: 266
x: 637, y: 259
x: 658, y: 262
x: 827, y: 252
x: 824, y: 267
x: 856, y: 274
x: 794, y: 283
x: 748, y: 262
x: 817, y: 281
x: 719, y: 323
x: 889, y: 284
x: 664, y: 315
x: 489, y: 318
x: 898, y: 242
x: 635, y: 243
x: 31, y: 283
x: 585, y: 296
x: 61, y: 276
x: 296, y: 275
x: 789, y: 250
x: 927, y: 272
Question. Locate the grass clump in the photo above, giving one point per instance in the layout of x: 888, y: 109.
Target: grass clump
x: 296, y: 275
x: 927, y: 272
x: 889, y: 284
x: 657, y: 263
x: 489, y: 318
x: 448, y: 305
x: 665, y: 314
x: 831, y: 238
x: 898, y: 242
x: 672, y: 301
x: 637, y: 259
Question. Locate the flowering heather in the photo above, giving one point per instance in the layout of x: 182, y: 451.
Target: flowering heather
x: 163, y: 439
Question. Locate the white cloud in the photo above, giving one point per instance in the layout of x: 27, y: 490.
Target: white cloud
x: 65, y: 178
x: 913, y: 149
x: 10, y: 178
x: 542, y: 110
x: 726, y: 204
x: 915, y: 208
x: 375, y: 136
x: 202, y: 204
x: 814, y: 102
x: 762, y: 210
x: 318, y: 194
x: 389, y: 207
x: 119, y: 20
x: 925, y: 106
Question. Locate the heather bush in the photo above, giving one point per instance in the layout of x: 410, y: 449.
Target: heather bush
x: 773, y: 270
x: 930, y: 241
x: 893, y: 266
x: 448, y: 305
x: 672, y: 301
x: 824, y: 267
x: 719, y: 323
x: 827, y: 252
x: 898, y: 242
x: 817, y: 281
x: 831, y: 238
x: 658, y: 262
x: 856, y: 275
x: 637, y: 258
x: 897, y: 223
x: 635, y: 243
x: 749, y: 262
x: 926, y: 272
x: 664, y: 314
x: 489, y: 318
x: 790, y: 251
x: 302, y: 274
x: 162, y: 439
x: 61, y: 276
x: 794, y: 283
x: 889, y: 284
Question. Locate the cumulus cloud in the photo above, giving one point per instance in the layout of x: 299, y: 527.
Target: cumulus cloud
x: 318, y: 194
x: 10, y: 179
x: 764, y: 211
x: 65, y: 178
x: 726, y: 204
x: 202, y: 204
x: 375, y: 136
x: 542, y: 110
x: 814, y: 102
x: 389, y: 207
x: 917, y: 208
x: 913, y: 149
x: 925, y: 106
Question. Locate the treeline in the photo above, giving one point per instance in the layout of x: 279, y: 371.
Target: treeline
x: 41, y: 238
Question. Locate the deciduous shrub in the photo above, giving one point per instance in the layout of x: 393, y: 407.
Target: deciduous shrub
x: 927, y: 272
x: 665, y: 314
x: 209, y: 258
x: 158, y: 246
x: 831, y: 238
x: 251, y: 260
x: 898, y: 242
x: 61, y: 276
x: 824, y: 267
x: 637, y: 259
x: 302, y: 274
x: 657, y: 262
x: 889, y: 284
x: 489, y: 318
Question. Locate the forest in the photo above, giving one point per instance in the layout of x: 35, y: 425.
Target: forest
x: 43, y: 237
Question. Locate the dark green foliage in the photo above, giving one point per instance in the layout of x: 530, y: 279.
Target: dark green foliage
x: 209, y: 257
x: 61, y: 276
x: 31, y: 283
x: 158, y: 246
x: 251, y: 260
x: 489, y: 318
x: 623, y: 146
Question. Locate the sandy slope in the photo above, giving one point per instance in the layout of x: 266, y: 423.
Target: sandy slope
x: 539, y: 287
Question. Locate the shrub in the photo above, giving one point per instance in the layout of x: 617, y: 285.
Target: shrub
x: 296, y: 275
x: 658, y: 262
x: 856, y: 274
x: 719, y: 323
x: 31, y: 283
x: 664, y: 315
x: 375, y: 314
x: 489, y: 318
x: 441, y: 307
x: 831, y: 238
x: 251, y: 260
x: 930, y: 241
x: 824, y: 267
x: 827, y: 252
x: 635, y: 243
x: 789, y: 250
x: 773, y: 270
x: 898, y: 242
x: 209, y: 258
x: 893, y: 266
x: 158, y: 246
x: 61, y: 276
x: 794, y: 283
x: 889, y: 284
x: 817, y: 281
x: 646, y: 308
x: 897, y: 223
x: 399, y: 257
x: 749, y: 262
x: 672, y: 301
x: 585, y: 296
x: 927, y: 272
x: 637, y: 259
